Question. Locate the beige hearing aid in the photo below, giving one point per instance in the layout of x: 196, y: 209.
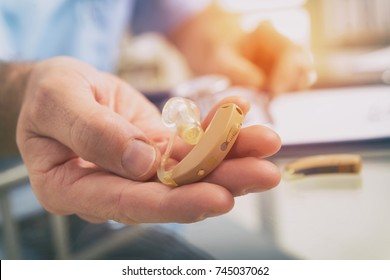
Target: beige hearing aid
x: 323, y: 164
x: 211, y: 146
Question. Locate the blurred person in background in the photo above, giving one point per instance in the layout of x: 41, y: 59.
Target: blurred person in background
x: 91, y: 142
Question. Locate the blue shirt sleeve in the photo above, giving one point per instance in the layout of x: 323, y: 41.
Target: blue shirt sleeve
x: 90, y: 30
x: 163, y: 15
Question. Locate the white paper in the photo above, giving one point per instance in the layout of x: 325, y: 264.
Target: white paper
x: 332, y: 115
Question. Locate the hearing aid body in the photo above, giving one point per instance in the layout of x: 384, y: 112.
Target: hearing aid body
x: 211, y: 148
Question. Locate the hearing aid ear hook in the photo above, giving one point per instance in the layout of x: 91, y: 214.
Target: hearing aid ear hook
x: 184, y: 115
x: 211, y: 146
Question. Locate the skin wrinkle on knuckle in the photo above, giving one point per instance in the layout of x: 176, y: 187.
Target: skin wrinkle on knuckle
x: 59, y: 192
x: 41, y: 108
x: 78, y: 133
x: 123, y: 214
x: 35, y: 161
x: 56, y: 193
x: 92, y: 132
x: 40, y: 184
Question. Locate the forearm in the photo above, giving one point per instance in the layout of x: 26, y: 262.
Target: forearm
x: 13, y: 81
x: 204, y: 34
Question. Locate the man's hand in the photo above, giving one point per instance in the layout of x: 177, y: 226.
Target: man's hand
x: 213, y: 42
x: 92, y: 145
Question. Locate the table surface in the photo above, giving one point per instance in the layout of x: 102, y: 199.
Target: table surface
x: 321, y: 217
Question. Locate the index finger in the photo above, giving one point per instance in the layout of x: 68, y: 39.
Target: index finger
x: 238, y: 100
x: 258, y: 140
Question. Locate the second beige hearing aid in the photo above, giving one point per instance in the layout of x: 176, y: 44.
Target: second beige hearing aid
x: 323, y: 164
x: 211, y: 149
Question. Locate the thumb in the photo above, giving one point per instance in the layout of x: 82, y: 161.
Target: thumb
x: 90, y: 115
x: 115, y: 144
x: 97, y: 135
x: 240, y: 70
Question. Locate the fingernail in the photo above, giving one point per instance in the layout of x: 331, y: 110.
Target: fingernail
x: 139, y: 158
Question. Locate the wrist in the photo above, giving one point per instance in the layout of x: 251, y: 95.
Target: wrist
x: 13, y: 83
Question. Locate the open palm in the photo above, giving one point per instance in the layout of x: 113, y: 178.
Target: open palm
x: 92, y: 145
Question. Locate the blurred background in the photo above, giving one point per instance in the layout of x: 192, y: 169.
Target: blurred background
x: 350, y: 43
x: 349, y: 39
